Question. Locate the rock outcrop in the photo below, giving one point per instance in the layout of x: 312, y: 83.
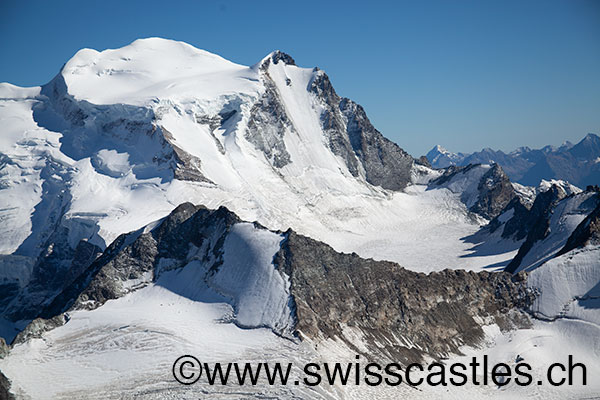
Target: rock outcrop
x: 539, y: 222
x: 495, y: 192
x: 517, y: 225
x: 353, y: 138
x: 485, y: 190
x: 5, y: 393
x: 399, y: 314
x: 133, y: 260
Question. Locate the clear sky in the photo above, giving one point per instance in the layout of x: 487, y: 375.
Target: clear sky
x: 464, y: 74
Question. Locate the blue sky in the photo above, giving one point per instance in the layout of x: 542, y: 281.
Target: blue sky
x: 464, y: 74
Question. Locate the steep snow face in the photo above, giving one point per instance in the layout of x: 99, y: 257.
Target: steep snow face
x: 245, y: 278
x: 261, y: 294
x: 569, y: 286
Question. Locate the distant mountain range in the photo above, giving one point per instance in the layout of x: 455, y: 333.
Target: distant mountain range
x: 579, y: 164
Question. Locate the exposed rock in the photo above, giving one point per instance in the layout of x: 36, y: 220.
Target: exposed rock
x: 391, y: 307
x: 55, y: 269
x: 539, y: 221
x: 519, y: 224
x: 385, y: 163
x: 492, y: 194
x: 352, y: 137
x: 423, y: 161
x: 333, y: 122
x: 495, y: 192
x: 277, y: 56
x: 451, y: 172
x: 268, y: 124
x: 186, y: 166
x: 133, y: 260
x: 394, y: 308
x: 5, y: 393
x: 4, y: 349
x: 39, y: 326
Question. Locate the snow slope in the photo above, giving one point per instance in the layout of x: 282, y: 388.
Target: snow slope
x: 127, y: 348
x: 569, y: 286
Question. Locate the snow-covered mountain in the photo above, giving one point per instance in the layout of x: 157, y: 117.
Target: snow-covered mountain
x: 578, y: 164
x: 155, y: 191
x: 121, y: 137
x: 439, y: 157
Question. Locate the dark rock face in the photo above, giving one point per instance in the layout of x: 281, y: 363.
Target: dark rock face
x: 56, y: 267
x: 495, y: 192
x: 385, y: 163
x: 386, y: 302
x: 539, y: 220
x: 268, y: 124
x: 518, y: 226
x: 277, y: 56
x: 136, y: 256
x: 423, y: 161
x: 4, y: 349
x: 5, y: 393
x: 186, y: 167
x: 587, y: 232
x: 352, y: 137
x: 349, y: 133
x: 333, y: 122
x: 38, y: 327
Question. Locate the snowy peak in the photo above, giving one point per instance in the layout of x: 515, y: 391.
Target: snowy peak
x: 546, y: 185
x: 146, y: 69
x: 119, y: 137
x: 275, y: 57
x: 439, y: 157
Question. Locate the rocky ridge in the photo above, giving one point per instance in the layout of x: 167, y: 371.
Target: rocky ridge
x: 382, y: 301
